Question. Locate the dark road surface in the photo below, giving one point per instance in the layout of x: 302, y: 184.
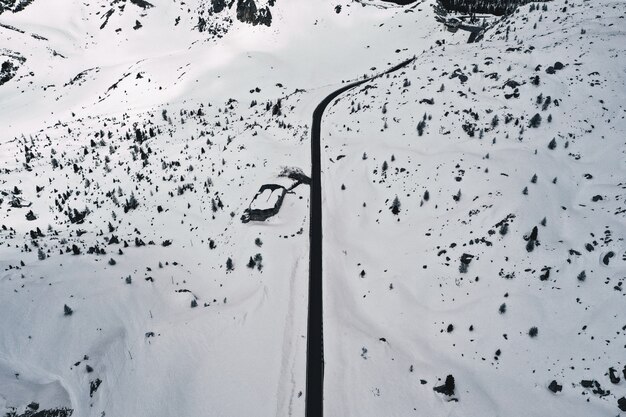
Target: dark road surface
x: 315, y: 326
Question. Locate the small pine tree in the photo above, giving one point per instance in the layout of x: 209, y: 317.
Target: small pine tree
x: 420, y: 127
x: 535, y: 121
x: 67, y: 311
x: 582, y: 276
x: 552, y: 144
x: 229, y: 264
x: 502, y: 308
x: 395, y: 206
x: 533, y: 331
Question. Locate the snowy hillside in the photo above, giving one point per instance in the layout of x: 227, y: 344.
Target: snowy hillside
x: 474, y: 209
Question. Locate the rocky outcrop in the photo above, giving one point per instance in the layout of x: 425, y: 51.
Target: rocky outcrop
x: 13, y: 5
x: 246, y: 11
x: 218, y: 5
x: 7, y: 71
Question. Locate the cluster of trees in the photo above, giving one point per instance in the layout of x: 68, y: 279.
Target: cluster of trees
x: 496, y: 7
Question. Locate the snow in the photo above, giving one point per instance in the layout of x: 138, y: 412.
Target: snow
x: 392, y: 283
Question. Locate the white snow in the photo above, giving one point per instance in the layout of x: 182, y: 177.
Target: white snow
x: 68, y: 140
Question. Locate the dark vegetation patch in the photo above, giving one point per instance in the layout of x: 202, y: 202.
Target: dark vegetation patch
x: 496, y: 7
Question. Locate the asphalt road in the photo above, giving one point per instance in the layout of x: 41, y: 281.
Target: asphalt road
x: 315, y: 326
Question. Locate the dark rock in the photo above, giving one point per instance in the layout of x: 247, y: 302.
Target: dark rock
x: 586, y: 383
x: 555, y: 387
x: 607, y: 257
x: 93, y: 386
x: 466, y: 258
x: 621, y: 403
x: 447, y: 388
x: 613, y: 376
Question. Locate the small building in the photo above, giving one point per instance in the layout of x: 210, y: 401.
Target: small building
x: 265, y: 204
x: 453, y: 24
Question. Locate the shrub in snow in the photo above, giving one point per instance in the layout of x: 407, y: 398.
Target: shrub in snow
x: 229, y: 264
x: 67, y: 311
x: 552, y: 144
x: 535, y: 121
x: 420, y: 127
x: 131, y: 203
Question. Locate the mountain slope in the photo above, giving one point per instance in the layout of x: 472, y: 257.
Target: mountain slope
x: 136, y: 135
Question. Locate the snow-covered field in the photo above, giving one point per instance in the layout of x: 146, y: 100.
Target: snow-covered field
x: 133, y: 137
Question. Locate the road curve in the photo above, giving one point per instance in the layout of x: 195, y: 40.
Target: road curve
x: 314, y: 400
